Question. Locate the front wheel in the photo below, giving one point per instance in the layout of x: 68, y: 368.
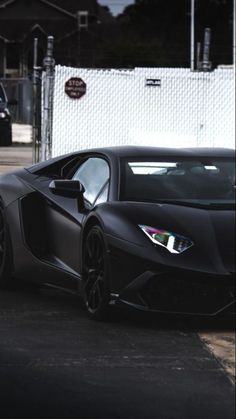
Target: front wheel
x: 96, y: 288
x: 5, y: 251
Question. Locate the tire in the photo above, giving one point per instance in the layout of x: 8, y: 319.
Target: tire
x: 5, y: 251
x: 96, y: 289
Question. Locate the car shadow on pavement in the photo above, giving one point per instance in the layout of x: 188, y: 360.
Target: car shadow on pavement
x: 130, y: 317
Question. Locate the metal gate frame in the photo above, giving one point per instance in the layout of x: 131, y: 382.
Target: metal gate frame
x: 43, y: 95
x: 43, y: 83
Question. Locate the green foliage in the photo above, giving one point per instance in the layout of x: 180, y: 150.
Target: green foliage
x: 129, y: 53
x: 157, y: 32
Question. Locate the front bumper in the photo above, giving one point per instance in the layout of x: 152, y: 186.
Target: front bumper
x: 183, y: 292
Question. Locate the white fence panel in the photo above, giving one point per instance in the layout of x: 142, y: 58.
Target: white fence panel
x: 182, y: 109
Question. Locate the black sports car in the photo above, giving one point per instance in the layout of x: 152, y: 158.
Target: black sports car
x: 151, y: 228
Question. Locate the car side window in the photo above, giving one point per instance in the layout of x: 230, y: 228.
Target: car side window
x: 94, y: 175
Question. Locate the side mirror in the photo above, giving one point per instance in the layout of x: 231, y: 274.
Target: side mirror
x: 69, y: 189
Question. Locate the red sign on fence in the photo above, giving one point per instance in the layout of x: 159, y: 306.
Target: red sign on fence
x: 75, y: 88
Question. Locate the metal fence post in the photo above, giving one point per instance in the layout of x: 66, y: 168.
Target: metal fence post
x: 48, y: 84
x: 234, y: 33
x: 36, y: 131
x: 206, y: 64
x: 192, y: 36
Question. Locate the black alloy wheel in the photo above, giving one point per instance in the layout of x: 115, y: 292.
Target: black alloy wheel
x: 95, y: 275
x: 5, y: 252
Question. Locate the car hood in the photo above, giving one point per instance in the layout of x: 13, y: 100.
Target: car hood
x: 212, y: 231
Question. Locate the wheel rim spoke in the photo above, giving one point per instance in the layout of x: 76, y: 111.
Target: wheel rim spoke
x: 99, y: 289
x: 95, y: 294
x: 94, y: 284
x: 89, y: 249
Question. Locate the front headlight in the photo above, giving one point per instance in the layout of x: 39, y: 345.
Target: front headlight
x: 173, y: 242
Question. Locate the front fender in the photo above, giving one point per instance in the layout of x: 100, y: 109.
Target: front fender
x: 12, y: 187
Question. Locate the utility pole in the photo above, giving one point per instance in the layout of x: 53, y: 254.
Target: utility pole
x: 234, y: 33
x: 192, y: 33
x: 82, y: 24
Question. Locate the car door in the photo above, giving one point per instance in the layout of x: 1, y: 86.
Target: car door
x: 64, y: 218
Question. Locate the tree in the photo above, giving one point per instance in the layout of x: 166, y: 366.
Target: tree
x: 166, y: 23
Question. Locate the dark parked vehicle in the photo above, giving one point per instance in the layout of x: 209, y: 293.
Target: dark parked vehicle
x: 5, y: 120
x: 151, y: 228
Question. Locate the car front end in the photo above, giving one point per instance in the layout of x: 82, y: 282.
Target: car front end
x: 173, y: 246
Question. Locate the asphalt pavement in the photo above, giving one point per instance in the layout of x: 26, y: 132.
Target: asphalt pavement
x: 20, y: 153
x: 12, y: 158
x: 55, y: 362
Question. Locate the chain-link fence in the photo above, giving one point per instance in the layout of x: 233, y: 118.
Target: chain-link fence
x: 78, y: 108
x: 170, y: 107
x: 19, y: 90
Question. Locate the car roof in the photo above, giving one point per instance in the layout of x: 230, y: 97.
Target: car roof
x: 141, y: 151
x: 114, y: 153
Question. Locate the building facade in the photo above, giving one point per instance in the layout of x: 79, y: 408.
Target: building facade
x: 78, y: 26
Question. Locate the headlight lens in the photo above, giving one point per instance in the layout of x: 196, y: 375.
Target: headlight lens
x: 173, y: 242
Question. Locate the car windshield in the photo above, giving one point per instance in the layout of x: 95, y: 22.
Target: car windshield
x: 203, y: 181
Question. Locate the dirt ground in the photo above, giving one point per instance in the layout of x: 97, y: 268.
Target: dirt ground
x: 222, y: 345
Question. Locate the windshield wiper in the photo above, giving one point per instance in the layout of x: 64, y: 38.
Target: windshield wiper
x: 212, y: 205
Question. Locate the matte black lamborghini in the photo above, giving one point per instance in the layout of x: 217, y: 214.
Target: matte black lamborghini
x: 151, y: 228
